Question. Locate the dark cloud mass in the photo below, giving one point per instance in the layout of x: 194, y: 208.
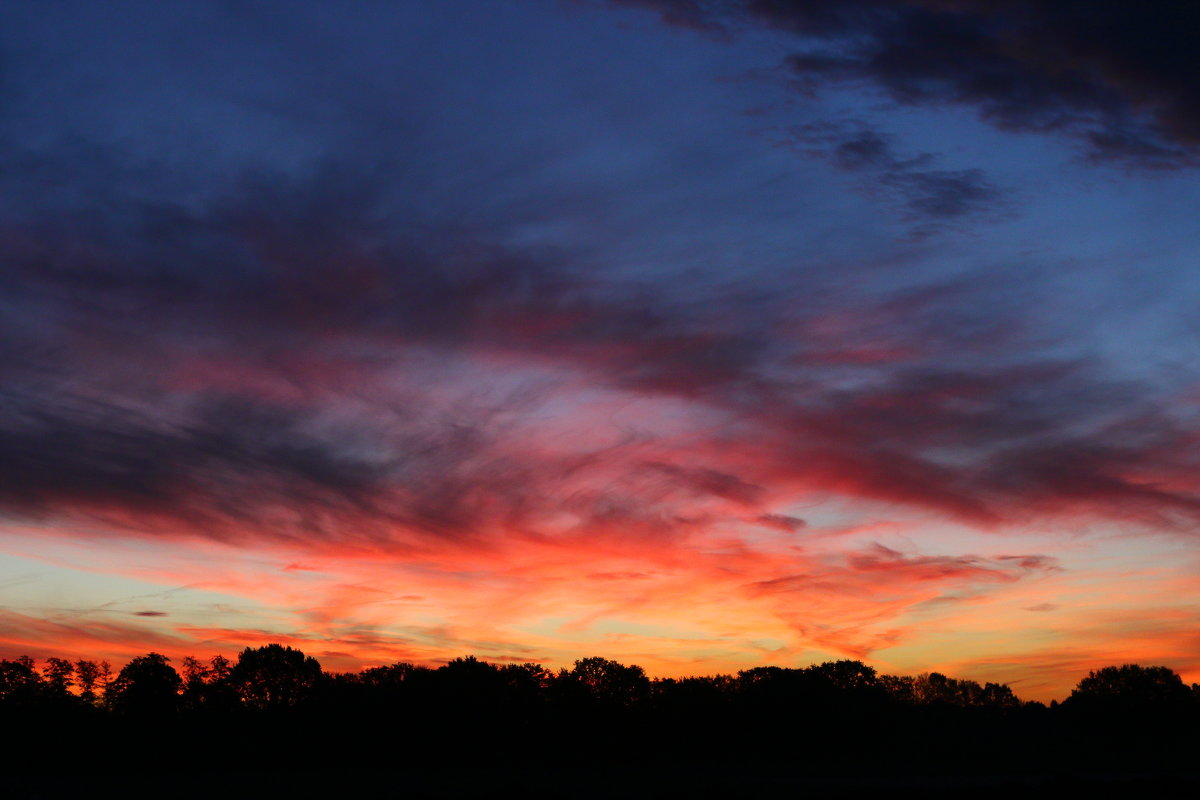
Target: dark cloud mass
x: 1117, y: 75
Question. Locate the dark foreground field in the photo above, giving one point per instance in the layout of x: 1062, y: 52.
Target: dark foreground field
x: 274, y: 724
x: 542, y: 780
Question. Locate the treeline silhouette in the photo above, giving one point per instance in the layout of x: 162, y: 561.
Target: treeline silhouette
x: 274, y: 706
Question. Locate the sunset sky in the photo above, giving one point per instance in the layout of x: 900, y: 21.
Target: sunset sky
x: 695, y: 334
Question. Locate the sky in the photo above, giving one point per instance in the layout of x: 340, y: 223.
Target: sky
x: 695, y: 334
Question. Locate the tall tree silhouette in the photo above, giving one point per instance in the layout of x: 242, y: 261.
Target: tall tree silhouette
x: 58, y: 674
x: 20, y: 684
x: 87, y: 674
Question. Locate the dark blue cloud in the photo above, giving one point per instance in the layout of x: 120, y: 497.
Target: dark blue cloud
x: 1115, y: 74
x: 928, y: 197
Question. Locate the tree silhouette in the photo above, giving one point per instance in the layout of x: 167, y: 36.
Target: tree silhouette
x: 845, y: 675
x: 58, y: 674
x: 274, y: 676
x: 1131, y: 689
x: 1128, y: 717
x: 195, y: 676
x: 218, y: 669
x: 87, y: 674
x: 104, y: 681
x: 20, y: 684
x: 206, y: 685
x: 147, y: 685
x: 526, y: 680
x: 998, y: 695
x: 611, y: 683
x: 389, y: 678
x: 934, y: 687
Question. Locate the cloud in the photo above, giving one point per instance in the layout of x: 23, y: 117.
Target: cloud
x: 284, y: 364
x: 223, y: 462
x: 1042, y: 607
x: 1116, y: 79
x: 879, y: 567
x: 860, y: 601
x: 929, y: 198
x: 26, y: 634
x: 781, y: 522
x: 689, y: 14
x: 989, y: 446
